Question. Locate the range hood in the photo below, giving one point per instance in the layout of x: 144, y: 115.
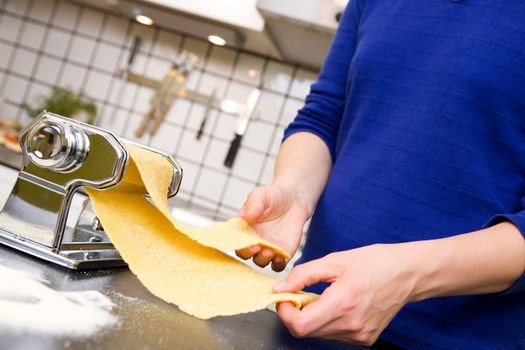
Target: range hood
x: 298, y: 31
x: 302, y: 29
x: 237, y: 21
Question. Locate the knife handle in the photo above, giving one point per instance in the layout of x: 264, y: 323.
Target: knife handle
x: 159, y: 118
x: 232, y: 152
x: 145, y: 121
x: 136, y: 44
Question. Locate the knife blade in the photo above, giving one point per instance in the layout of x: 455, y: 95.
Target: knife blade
x: 243, y: 121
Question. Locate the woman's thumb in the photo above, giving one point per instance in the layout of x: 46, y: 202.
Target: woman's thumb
x: 255, y: 205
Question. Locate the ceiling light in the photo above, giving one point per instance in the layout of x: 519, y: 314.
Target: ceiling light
x: 144, y: 20
x: 217, y: 40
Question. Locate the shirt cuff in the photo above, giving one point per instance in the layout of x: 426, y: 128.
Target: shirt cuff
x: 518, y: 220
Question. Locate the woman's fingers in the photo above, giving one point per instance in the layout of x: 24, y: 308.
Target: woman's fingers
x: 264, y: 257
x: 305, y: 275
x: 288, y: 313
x: 255, y: 206
x: 278, y: 263
x: 315, y: 319
x: 247, y: 253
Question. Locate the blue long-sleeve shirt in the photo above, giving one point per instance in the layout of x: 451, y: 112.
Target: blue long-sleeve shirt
x: 422, y: 106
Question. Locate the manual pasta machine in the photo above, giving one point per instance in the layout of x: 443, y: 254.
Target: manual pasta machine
x: 60, y: 157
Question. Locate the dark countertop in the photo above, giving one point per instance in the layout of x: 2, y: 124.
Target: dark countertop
x: 146, y: 322
x: 9, y: 158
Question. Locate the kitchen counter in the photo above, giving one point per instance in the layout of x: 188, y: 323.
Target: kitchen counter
x: 144, y: 321
x: 10, y: 159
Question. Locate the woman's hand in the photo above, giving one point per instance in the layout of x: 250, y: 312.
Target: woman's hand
x: 371, y: 284
x: 368, y: 287
x: 277, y: 216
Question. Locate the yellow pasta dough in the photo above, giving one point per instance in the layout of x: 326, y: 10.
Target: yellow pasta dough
x: 156, y: 174
x: 178, y: 263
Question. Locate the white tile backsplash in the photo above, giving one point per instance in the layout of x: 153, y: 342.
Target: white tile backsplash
x: 226, y: 126
x: 133, y: 122
x: 269, y: 106
x: 167, y: 45
x: 210, y: 184
x: 57, y: 43
x: 97, y: 85
x: 107, y: 58
x: 249, y: 69
x: 82, y: 49
x: 36, y: 91
x: 191, y: 148
x: 178, y: 112
x: 267, y: 173
x: 47, y: 69
x: 221, y: 60
x: 166, y: 138
x: 9, y: 28
x: 236, y: 192
x: 248, y: 164
x: 72, y: 76
x: 15, y: 88
x: 142, y: 100
x: 157, y: 68
x: 90, y: 22
x: 239, y: 92
x: 33, y: 35
x: 41, y: 10
x: 127, y: 99
x: 278, y: 76
x: 66, y: 16
x: 216, y: 154
x: 18, y: 6
x: 301, y: 83
x: 291, y: 106
x: 115, y: 30
x: 23, y: 62
x: 190, y: 171
x: 6, y: 54
x: 210, y: 83
x: 258, y: 135
x: 194, y: 117
x: 86, y: 47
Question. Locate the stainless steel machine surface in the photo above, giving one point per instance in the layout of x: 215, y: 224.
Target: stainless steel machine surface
x: 60, y: 156
x: 146, y: 322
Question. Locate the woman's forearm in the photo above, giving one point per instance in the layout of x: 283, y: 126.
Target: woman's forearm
x: 303, y: 166
x: 485, y: 261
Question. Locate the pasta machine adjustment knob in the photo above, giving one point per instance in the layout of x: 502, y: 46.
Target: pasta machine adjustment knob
x: 57, y: 146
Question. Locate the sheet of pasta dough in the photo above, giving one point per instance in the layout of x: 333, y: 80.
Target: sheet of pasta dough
x: 156, y: 175
x: 177, y: 263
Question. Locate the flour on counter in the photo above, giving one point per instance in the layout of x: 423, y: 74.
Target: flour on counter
x: 28, y: 305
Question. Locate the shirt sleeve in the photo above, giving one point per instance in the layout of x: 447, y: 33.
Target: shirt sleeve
x: 324, y: 105
x: 518, y: 219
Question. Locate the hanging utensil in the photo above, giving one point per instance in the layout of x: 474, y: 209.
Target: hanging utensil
x: 209, y: 106
x: 243, y: 121
x: 159, y: 99
x: 125, y: 74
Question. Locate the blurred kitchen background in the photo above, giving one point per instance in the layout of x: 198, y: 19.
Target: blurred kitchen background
x: 203, y: 63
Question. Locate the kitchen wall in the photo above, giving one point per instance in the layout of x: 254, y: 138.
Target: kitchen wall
x: 45, y: 43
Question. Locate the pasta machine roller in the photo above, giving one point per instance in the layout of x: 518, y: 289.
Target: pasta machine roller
x: 60, y: 157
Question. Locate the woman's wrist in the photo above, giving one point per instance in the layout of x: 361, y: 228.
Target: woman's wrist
x: 480, y: 262
x: 297, y: 194
x: 424, y: 264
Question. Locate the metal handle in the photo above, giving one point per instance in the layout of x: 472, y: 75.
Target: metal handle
x: 57, y: 146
